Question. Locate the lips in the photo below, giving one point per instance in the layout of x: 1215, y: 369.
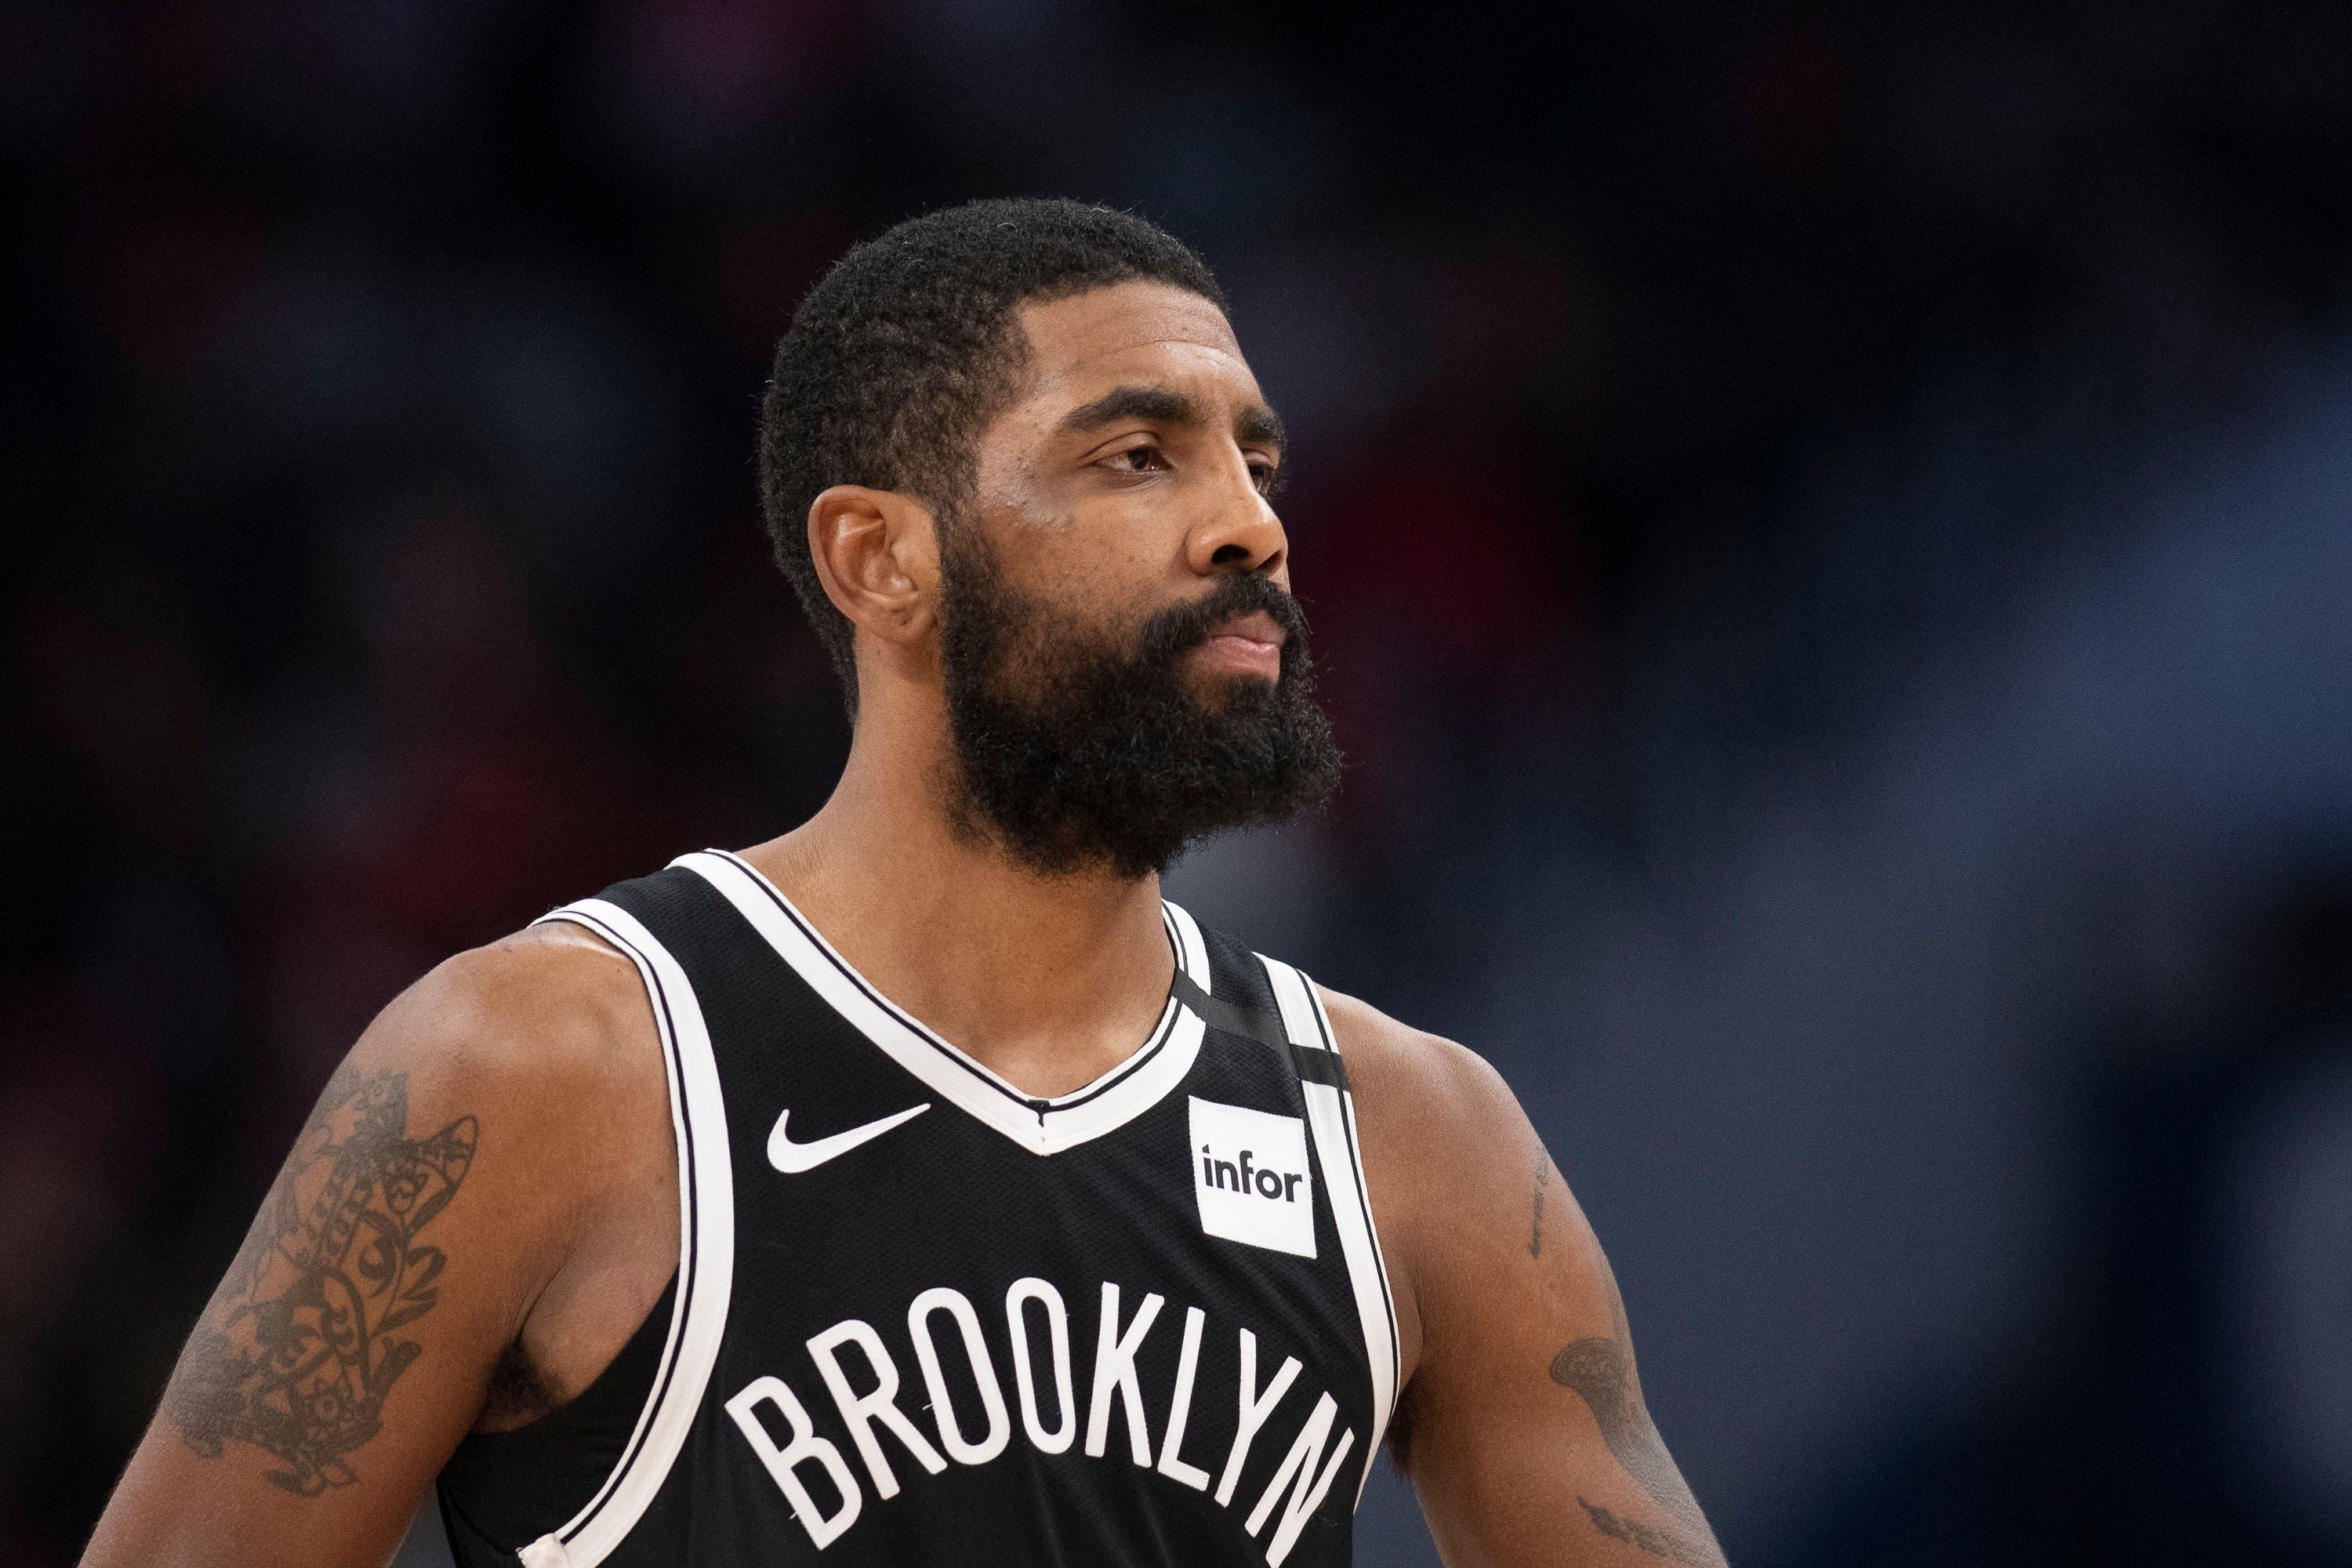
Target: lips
x: 1259, y: 627
x: 1244, y: 644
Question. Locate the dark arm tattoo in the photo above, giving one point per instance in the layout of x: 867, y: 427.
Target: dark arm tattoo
x: 1656, y: 1543
x: 1601, y: 1372
x: 1543, y: 1179
x: 297, y: 1350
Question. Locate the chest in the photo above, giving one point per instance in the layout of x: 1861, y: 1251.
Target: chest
x: 1142, y: 1322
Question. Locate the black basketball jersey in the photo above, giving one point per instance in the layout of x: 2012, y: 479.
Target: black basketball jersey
x: 923, y: 1316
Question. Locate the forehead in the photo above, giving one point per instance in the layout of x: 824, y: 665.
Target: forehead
x: 1149, y: 333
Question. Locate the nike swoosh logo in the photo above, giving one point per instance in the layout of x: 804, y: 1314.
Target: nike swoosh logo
x: 792, y: 1158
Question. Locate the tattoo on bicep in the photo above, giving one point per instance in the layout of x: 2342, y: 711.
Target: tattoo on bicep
x: 1543, y: 1179
x: 297, y: 1348
x: 1601, y: 1372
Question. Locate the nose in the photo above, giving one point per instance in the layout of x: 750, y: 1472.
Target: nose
x: 1241, y: 534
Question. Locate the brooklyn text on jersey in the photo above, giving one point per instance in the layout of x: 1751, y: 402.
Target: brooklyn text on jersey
x: 1145, y: 1320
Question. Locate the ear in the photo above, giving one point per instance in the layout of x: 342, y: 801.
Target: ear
x: 877, y: 554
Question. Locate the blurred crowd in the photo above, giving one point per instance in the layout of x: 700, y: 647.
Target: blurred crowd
x: 1829, y: 536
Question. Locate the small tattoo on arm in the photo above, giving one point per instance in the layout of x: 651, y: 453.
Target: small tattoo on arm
x: 1601, y: 1372
x: 1543, y: 1178
x: 1656, y: 1543
x: 297, y: 1350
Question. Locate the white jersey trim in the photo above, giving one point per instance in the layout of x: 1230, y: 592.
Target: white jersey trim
x: 1331, y: 1116
x: 1040, y: 1126
x: 705, y: 1268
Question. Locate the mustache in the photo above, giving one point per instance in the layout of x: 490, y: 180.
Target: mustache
x: 1180, y: 628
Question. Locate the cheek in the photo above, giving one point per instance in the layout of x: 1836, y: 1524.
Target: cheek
x: 1090, y: 567
x: 1132, y: 545
x: 1076, y: 616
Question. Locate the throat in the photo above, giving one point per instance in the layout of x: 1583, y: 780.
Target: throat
x: 1047, y: 983
x: 1047, y: 1069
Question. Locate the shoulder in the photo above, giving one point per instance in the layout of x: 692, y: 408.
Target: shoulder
x: 1450, y: 1161
x: 1407, y: 1076
x: 540, y: 1050
x: 1440, y: 1128
x: 551, y: 1004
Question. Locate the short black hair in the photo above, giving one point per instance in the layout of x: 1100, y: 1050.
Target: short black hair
x: 909, y: 345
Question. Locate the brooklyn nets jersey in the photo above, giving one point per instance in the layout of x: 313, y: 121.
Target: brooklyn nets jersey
x: 921, y: 1317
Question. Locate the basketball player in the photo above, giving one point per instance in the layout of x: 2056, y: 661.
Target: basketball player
x: 918, y: 1187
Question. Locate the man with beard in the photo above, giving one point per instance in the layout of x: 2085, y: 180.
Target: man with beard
x: 819, y: 1202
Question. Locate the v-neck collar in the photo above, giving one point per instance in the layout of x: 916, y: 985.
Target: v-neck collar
x: 1042, y: 1126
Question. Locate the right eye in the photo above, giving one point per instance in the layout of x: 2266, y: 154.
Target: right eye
x: 1141, y: 459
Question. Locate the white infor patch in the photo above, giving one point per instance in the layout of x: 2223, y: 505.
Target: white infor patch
x: 1250, y: 1174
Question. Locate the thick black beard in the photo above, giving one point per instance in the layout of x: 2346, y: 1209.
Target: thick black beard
x: 1078, y: 751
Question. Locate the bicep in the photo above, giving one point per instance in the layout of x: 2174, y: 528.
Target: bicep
x: 1523, y: 1428
x: 345, y: 1350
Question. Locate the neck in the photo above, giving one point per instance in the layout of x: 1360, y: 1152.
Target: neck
x: 1050, y: 981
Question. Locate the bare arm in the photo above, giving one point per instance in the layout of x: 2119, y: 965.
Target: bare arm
x: 435, y: 1195
x: 1522, y: 1424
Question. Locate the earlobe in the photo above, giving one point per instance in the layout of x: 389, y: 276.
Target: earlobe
x: 877, y: 554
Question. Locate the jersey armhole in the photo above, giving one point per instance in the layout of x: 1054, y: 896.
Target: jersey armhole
x: 697, y: 1318
x: 1331, y: 1119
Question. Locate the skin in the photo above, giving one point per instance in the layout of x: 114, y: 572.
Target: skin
x: 524, y: 1080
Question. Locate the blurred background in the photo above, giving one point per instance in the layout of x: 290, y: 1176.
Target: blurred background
x: 1829, y: 530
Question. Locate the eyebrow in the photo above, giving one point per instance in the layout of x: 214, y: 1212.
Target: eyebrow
x: 1257, y: 424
